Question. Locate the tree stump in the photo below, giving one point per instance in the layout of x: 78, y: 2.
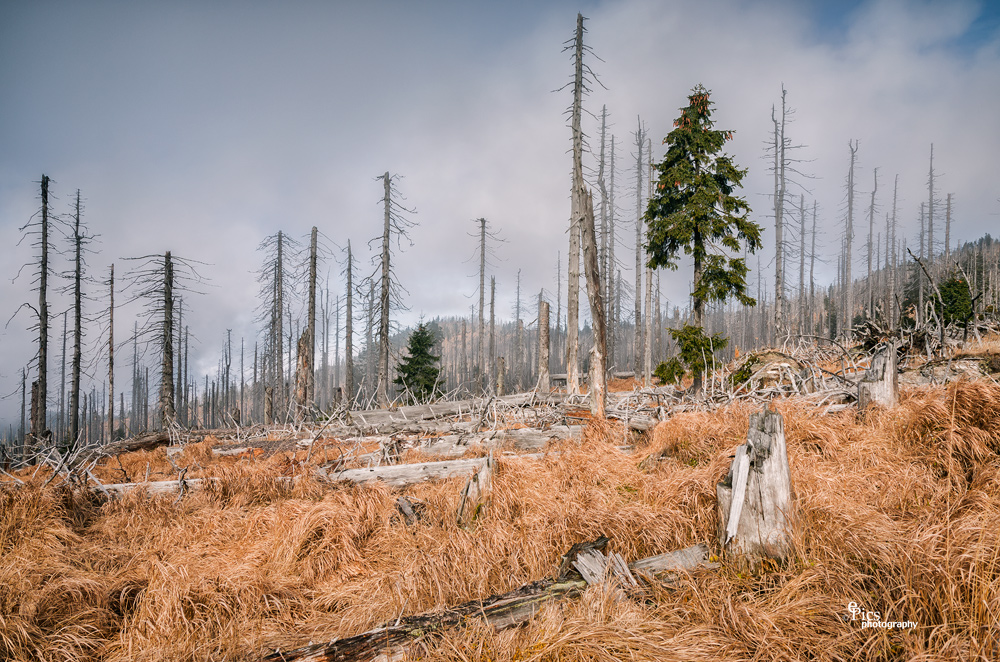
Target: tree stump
x: 755, y: 497
x: 880, y: 385
x: 476, y: 493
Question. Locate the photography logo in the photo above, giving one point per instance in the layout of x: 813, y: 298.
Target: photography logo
x: 873, y: 619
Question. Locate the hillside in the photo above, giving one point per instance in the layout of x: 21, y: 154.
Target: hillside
x: 898, y: 513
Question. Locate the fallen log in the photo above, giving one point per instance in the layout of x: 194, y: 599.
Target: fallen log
x: 524, y: 439
x: 401, y: 475
x: 502, y: 611
x: 379, y: 418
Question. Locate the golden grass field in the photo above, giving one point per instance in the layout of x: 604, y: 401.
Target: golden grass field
x: 898, y: 512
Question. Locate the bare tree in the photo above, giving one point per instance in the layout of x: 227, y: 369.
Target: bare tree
x: 871, y: 232
x: 640, y: 142
x: 849, y: 244
x: 156, y: 280
x: 598, y: 385
x: 38, y: 227
x: 395, y: 225
x: 573, y: 297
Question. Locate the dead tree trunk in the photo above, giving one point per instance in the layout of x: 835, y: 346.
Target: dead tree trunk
x: 382, y: 392
x: 755, y: 497
x: 167, y: 414
x: 39, y: 387
x: 640, y: 141
x: 543, y: 347
x: 848, y: 313
x: 111, y: 355
x: 780, y: 320
x: 310, y: 391
x: 302, y: 377
x: 349, y: 331
x: 880, y: 384
x: 74, y: 392
x: 598, y: 374
x: 573, y: 296
x: 480, y: 354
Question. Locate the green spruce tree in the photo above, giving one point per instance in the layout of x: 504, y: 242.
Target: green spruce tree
x: 693, y: 210
x: 417, y: 373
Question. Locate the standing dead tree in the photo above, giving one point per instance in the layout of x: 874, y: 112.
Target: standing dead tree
x: 598, y: 374
x: 156, y: 281
x: 38, y: 229
x: 640, y: 142
x: 396, y: 227
x: 847, y: 281
x: 276, y: 279
x: 583, y: 76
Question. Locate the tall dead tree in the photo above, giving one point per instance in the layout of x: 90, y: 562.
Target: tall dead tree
x: 598, y: 374
x: 640, y: 142
x: 309, y: 361
x: 576, y: 204
x: 349, y: 330
x: 156, y: 281
x: 276, y: 279
x: 947, y: 229
x: 610, y: 299
x: 39, y: 388
x: 871, y: 232
x: 79, y: 239
x: 891, y: 304
x: 930, y: 210
x: 780, y: 162
x: 111, y: 354
x: 395, y: 225
x: 802, y: 266
x: 848, y: 314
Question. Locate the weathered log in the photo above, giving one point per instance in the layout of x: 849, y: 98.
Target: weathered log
x: 146, y: 442
x: 880, y: 385
x: 502, y: 611
x: 408, y: 415
x: 525, y: 439
x: 476, y: 493
x: 755, y: 498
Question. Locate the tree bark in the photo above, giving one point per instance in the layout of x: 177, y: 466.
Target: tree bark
x: 310, y: 391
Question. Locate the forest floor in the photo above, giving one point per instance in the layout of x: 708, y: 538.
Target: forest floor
x: 898, y: 512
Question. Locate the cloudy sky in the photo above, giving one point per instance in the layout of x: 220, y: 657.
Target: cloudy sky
x: 201, y: 128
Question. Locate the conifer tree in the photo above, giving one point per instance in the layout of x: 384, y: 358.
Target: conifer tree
x: 693, y: 210
x: 417, y: 373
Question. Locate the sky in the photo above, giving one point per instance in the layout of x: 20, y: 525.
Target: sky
x: 202, y: 128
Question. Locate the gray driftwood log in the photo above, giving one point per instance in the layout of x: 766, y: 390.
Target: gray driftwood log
x: 755, y: 498
x: 880, y: 385
x: 394, y: 641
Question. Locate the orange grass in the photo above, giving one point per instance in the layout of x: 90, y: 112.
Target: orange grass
x: 898, y: 512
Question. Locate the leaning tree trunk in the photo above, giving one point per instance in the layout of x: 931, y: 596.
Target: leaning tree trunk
x: 167, y: 414
x: 598, y: 375
x: 755, y: 498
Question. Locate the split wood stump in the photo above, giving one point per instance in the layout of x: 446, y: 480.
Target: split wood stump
x: 755, y: 498
x: 476, y: 493
x: 880, y: 385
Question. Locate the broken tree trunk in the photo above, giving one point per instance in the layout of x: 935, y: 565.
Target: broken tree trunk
x: 476, y: 493
x: 501, y: 611
x: 755, y: 497
x: 880, y: 385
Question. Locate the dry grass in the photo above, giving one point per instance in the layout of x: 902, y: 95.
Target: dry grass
x: 899, y: 512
